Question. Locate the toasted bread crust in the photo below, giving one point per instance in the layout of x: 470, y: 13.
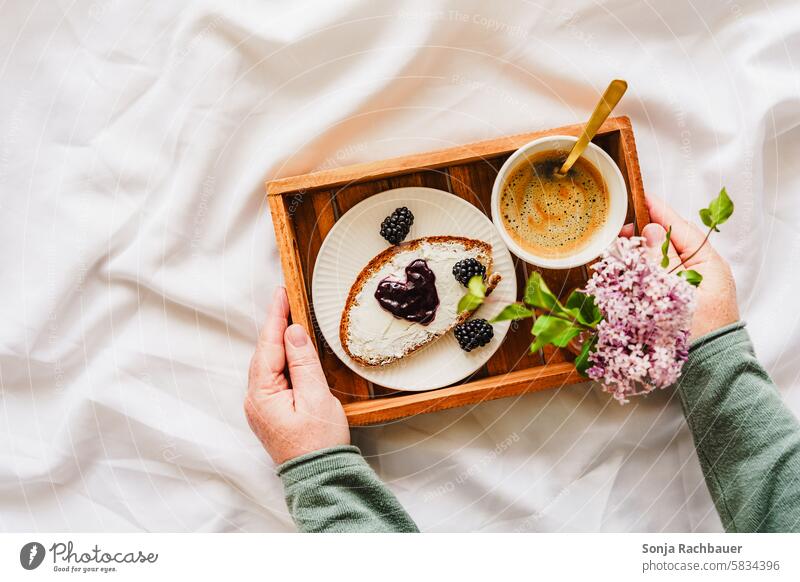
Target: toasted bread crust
x: 492, y: 279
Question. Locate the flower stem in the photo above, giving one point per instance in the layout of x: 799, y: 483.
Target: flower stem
x: 697, y: 250
x: 574, y: 322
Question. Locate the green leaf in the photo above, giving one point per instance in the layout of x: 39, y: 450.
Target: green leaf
x: 692, y: 277
x: 665, y: 249
x: 721, y: 207
x: 476, y: 287
x: 582, y: 361
x: 549, y: 329
x: 469, y: 302
x: 718, y: 212
x: 705, y: 216
x: 476, y: 293
x: 537, y: 294
x: 513, y: 311
x: 583, y: 307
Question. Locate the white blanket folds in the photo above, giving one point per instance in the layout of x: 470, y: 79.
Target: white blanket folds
x: 137, y: 253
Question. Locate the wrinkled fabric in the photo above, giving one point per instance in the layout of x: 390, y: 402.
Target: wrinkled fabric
x: 137, y: 254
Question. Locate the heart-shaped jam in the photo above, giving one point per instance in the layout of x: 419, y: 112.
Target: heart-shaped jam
x: 414, y: 299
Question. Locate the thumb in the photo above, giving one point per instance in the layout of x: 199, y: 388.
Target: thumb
x: 305, y: 370
x: 654, y: 236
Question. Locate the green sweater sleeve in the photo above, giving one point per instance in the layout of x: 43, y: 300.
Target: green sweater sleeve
x: 747, y: 441
x: 335, y: 490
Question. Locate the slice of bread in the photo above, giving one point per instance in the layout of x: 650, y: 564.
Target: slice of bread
x: 372, y: 336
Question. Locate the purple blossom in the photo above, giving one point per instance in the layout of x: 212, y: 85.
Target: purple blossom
x: 643, y: 340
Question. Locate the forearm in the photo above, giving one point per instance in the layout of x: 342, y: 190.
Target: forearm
x: 747, y: 441
x: 335, y: 490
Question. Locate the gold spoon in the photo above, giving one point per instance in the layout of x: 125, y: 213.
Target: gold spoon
x: 614, y: 92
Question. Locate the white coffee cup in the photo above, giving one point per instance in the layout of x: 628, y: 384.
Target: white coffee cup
x: 605, y: 235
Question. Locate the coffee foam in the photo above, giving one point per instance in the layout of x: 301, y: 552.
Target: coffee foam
x: 553, y: 217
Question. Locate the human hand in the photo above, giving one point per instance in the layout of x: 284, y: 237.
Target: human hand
x: 716, y: 295
x: 298, y: 418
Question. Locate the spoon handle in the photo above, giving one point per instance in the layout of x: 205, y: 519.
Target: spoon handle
x: 614, y: 92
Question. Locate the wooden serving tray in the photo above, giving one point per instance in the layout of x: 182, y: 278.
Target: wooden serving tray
x: 304, y: 208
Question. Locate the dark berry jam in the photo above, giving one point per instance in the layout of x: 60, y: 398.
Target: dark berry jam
x: 414, y: 299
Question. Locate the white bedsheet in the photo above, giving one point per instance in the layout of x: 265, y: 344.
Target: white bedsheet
x: 137, y: 255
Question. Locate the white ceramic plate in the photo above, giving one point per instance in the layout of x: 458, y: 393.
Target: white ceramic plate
x: 355, y: 239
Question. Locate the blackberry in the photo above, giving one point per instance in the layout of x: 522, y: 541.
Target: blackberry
x: 466, y: 269
x: 473, y: 334
x: 396, y: 226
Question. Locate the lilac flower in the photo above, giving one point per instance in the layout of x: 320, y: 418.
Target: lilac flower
x: 643, y: 339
